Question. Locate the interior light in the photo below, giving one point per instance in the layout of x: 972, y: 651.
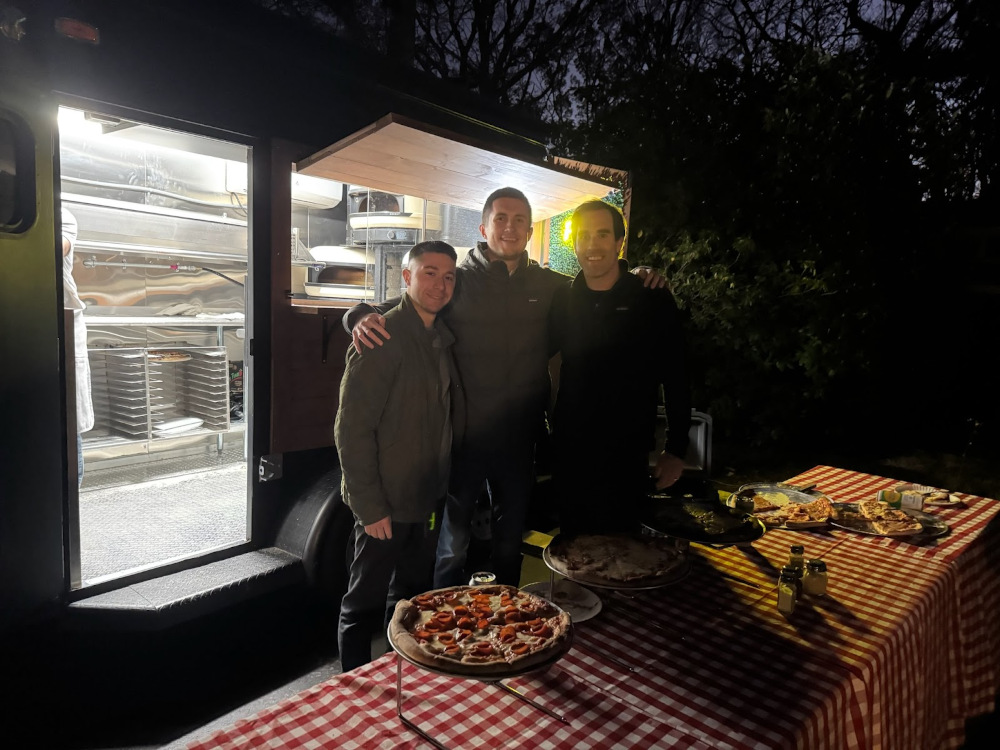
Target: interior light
x: 568, y: 230
x: 75, y: 121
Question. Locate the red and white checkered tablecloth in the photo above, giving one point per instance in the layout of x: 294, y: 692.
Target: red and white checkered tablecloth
x: 902, y: 650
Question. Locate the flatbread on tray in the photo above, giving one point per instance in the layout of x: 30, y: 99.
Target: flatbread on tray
x: 877, y: 518
x: 479, y: 631
x: 796, y: 512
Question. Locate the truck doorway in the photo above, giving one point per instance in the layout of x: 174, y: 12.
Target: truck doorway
x: 156, y: 277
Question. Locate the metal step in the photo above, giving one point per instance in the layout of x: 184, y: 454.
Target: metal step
x: 179, y: 597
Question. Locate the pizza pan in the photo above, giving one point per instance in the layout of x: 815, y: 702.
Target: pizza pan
x: 783, y: 495
x: 931, y: 526
x: 678, y: 572
x: 492, y: 676
x: 701, y: 522
x: 794, y: 494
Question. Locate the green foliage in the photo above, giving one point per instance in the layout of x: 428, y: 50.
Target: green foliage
x: 562, y: 258
x: 787, y: 218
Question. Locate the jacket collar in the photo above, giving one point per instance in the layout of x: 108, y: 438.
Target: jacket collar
x: 478, y: 259
x: 625, y: 281
x: 413, y: 322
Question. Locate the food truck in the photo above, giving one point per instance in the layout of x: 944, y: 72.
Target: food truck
x: 237, y: 180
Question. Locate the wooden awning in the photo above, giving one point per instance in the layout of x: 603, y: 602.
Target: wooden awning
x: 398, y: 155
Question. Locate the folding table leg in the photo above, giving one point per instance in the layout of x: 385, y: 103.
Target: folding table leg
x: 399, y: 707
x: 528, y: 700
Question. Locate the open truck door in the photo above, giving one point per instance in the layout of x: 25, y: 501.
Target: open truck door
x: 31, y: 533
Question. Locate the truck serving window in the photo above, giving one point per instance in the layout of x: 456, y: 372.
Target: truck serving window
x: 17, y: 175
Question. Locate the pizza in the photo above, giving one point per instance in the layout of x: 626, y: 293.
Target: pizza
x: 610, y: 559
x: 168, y: 356
x: 875, y: 517
x: 762, y: 502
x: 813, y: 514
x: 479, y: 630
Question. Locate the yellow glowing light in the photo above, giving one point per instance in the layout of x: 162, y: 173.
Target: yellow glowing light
x: 567, y: 230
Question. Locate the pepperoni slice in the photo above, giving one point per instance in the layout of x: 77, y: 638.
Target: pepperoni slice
x: 483, y: 649
x: 466, y: 623
x: 446, y: 638
x: 422, y: 635
x: 542, y: 631
x: 520, y: 649
x: 445, y: 619
x: 453, y: 650
x: 535, y: 623
x: 507, y: 634
x: 461, y: 611
x: 483, y: 624
x: 514, y: 616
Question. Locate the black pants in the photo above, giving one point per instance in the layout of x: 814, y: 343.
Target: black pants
x: 509, y: 477
x: 383, y: 572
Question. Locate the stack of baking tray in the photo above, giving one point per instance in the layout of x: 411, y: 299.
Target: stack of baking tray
x: 206, y: 387
x: 159, y: 393
x: 128, y: 390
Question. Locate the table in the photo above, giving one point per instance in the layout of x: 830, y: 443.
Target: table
x: 899, y: 653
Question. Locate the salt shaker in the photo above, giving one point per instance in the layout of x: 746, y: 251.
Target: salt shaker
x: 815, y: 580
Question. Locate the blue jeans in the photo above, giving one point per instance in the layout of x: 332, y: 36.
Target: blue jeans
x: 509, y: 479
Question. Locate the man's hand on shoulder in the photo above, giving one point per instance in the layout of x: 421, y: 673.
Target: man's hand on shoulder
x: 370, y: 331
x: 650, y: 278
x: 668, y: 470
x: 381, y: 529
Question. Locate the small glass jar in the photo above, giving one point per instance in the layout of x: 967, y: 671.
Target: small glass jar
x: 797, y: 557
x: 787, y: 592
x: 796, y: 575
x: 482, y: 578
x: 814, y: 583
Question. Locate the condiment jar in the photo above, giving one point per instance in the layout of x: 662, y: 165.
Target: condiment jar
x: 814, y: 583
x: 787, y: 593
x: 797, y: 557
x: 796, y: 575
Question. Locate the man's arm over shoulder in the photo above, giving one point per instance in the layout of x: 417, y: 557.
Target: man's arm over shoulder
x: 360, y: 310
x: 364, y: 392
x: 366, y: 323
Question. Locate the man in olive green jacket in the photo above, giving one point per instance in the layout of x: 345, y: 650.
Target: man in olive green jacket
x: 394, y: 430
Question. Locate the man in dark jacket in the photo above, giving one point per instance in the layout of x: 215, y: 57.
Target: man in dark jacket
x: 619, y: 342
x: 500, y: 318
x: 394, y: 428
